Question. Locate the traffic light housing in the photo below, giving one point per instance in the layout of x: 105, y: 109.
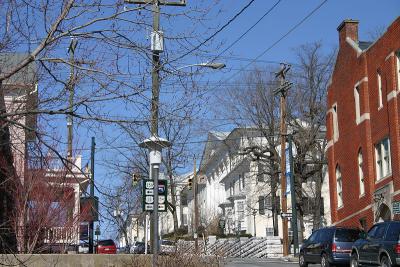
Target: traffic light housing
x: 135, y: 178
x: 190, y: 183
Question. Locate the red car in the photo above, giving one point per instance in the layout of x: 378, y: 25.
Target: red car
x: 106, y: 247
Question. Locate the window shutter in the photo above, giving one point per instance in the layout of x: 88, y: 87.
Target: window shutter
x: 261, y: 206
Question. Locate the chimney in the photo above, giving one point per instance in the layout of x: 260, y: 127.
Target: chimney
x: 348, y: 28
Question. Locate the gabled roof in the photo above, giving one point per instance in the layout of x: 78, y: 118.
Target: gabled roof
x: 26, y: 76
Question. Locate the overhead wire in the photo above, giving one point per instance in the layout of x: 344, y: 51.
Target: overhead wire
x: 215, y: 33
x: 273, y: 44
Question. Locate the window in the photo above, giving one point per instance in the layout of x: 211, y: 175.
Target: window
x: 184, y: 219
x: 335, y: 123
x: 261, y: 206
x: 393, y: 231
x: 398, y: 69
x: 240, y: 213
x: 241, y: 181
x: 357, y: 103
x: 269, y: 231
x: 339, y: 187
x: 361, y: 173
x: 380, y: 103
x: 382, y: 158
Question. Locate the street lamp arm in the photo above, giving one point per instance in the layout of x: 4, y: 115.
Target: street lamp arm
x: 211, y: 65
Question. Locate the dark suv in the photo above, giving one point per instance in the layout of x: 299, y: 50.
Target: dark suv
x: 331, y: 245
x: 380, y: 246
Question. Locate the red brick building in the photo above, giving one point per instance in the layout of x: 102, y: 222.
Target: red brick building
x: 364, y: 128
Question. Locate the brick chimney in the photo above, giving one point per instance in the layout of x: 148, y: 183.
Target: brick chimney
x: 348, y: 28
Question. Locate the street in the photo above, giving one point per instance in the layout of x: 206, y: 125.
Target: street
x: 237, y: 262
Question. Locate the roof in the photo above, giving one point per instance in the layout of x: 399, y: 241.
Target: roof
x: 27, y: 75
x: 363, y: 45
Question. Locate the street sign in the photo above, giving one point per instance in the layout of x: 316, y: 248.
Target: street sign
x: 396, y: 207
x: 286, y: 215
x: 148, y: 195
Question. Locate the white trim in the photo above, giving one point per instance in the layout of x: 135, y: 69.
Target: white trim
x: 363, y: 117
x: 329, y: 111
x: 395, y: 193
x: 391, y: 95
x: 389, y: 56
x: 354, y: 46
x: 365, y: 79
x: 329, y: 144
x: 353, y: 215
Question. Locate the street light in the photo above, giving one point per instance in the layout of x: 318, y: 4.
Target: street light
x: 211, y: 65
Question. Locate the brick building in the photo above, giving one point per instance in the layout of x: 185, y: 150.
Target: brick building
x: 363, y: 128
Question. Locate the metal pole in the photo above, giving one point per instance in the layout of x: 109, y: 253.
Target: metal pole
x: 91, y: 247
x: 146, y: 233
x: 293, y: 196
x: 196, y: 208
x: 254, y: 222
x: 155, y: 173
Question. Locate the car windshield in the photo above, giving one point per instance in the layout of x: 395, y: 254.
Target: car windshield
x: 167, y: 243
x: 106, y: 243
x: 347, y: 235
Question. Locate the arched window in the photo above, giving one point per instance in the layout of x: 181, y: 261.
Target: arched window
x: 361, y: 173
x: 339, y: 187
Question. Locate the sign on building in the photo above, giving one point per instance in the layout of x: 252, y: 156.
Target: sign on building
x: 396, y: 207
x: 148, y: 195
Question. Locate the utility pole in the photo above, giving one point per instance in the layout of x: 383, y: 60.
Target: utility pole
x: 196, y: 207
x: 155, y: 143
x: 91, y: 223
x: 71, y: 89
x: 282, y: 90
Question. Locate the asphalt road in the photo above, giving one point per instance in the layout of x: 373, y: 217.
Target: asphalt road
x: 262, y: 263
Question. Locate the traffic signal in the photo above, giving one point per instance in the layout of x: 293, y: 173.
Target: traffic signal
x: 135, y: 178
x: 190, y: 183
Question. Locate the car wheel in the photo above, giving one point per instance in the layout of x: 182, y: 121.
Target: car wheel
x: 302, y: 260
x: 324, y: 261
x: 385, y: 262
x: 354, y: 260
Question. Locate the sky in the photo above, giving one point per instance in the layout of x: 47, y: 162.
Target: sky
x: 288, y: 25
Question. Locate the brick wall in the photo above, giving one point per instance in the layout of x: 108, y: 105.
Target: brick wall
x: 357, y: 67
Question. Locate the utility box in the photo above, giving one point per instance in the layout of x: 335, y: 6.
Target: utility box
x: 157, y: 41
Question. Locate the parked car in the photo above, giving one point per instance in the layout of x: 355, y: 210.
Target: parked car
x: 106, y: 247
x: 167, y: 247
x: 328, y: 246
x: 138, y: 248
x: 380, y: 246
x: 83, y: 248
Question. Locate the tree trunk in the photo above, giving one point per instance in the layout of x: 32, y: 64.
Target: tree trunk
x: 275, y: 206
x: 173, y: 195
x: 317, y: 216
x: 8, y: 182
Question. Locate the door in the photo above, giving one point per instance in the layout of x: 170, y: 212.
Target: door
x: 315, y: 247
x: 309, y: 246
x: 377, y: 243
x: 369, y: 249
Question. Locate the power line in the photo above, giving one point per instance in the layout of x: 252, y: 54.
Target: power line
x: 275, y: 43
x: 215, y: 33
x: 248, y: 30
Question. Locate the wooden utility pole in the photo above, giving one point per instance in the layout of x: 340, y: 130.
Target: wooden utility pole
x: 282, y: 90
x: 155, y: 144
x: 71, y: 88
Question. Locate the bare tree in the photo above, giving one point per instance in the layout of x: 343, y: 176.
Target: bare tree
x: 307, y: 120
x: 109, y: 69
